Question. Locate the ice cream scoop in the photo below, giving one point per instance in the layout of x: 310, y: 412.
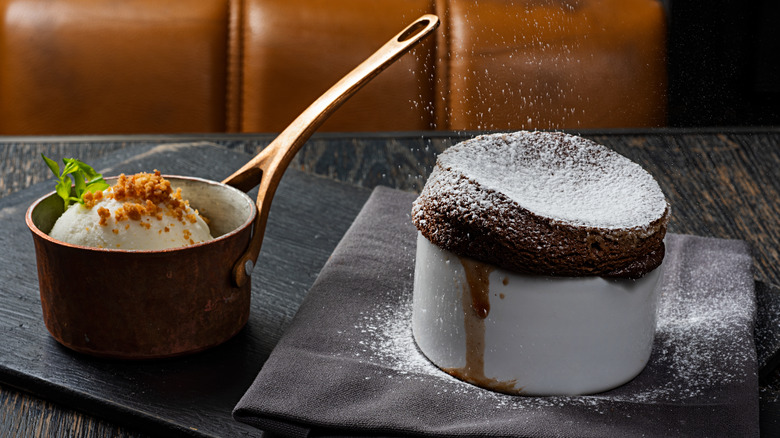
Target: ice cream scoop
x: 139, y: 212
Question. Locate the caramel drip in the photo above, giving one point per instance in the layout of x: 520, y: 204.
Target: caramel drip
x: 476, y: 307
x: 478, y: 285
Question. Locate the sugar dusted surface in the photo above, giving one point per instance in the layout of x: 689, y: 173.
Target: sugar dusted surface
x: 688, y: 351
x: 558, y: 176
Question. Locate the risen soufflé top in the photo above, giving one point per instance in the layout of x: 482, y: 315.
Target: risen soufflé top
x: 544, y: 203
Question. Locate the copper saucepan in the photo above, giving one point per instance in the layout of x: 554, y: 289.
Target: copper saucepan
x: 151, y: 304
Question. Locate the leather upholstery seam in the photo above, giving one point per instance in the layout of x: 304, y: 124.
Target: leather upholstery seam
x: 234, y: 91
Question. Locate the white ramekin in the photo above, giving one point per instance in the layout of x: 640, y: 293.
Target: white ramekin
x: 542, y: 335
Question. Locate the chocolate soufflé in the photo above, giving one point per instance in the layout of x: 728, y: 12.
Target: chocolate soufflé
x: 544, y: 203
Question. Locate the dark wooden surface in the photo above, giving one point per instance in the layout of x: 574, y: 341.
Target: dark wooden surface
x: 720, y: 183
x: 192, y: 395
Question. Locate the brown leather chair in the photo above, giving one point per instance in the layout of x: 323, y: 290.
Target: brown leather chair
x: 97, y: 67
x: 555, y: 64
x: 169, y: 66
x: 294, y: 50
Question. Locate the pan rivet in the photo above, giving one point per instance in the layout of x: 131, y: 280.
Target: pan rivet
x: 248, y: 267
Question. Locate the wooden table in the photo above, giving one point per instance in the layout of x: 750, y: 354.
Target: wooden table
x: 720, y: 183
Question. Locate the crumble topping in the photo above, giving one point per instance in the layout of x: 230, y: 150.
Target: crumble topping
x: 143, y: 195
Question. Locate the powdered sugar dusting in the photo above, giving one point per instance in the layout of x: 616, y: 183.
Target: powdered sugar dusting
x: 558, y: 176
x: 387, y: 340
x: 705, y: 311
x: 699, y: 350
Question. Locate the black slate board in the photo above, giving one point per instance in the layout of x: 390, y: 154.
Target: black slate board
x: 191, y: 395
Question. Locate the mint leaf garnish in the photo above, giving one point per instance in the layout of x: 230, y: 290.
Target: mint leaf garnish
x: 77, y: 174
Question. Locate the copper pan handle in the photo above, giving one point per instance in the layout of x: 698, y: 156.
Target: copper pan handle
x: 270, y: 164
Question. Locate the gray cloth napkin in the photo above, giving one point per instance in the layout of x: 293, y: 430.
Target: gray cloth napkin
x: 348, y: 364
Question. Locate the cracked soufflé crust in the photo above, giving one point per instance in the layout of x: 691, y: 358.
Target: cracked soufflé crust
x: 544, y: 203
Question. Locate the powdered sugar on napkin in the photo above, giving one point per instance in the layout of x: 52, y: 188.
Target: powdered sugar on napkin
x: 688, y: 352
x: 348, y: 364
